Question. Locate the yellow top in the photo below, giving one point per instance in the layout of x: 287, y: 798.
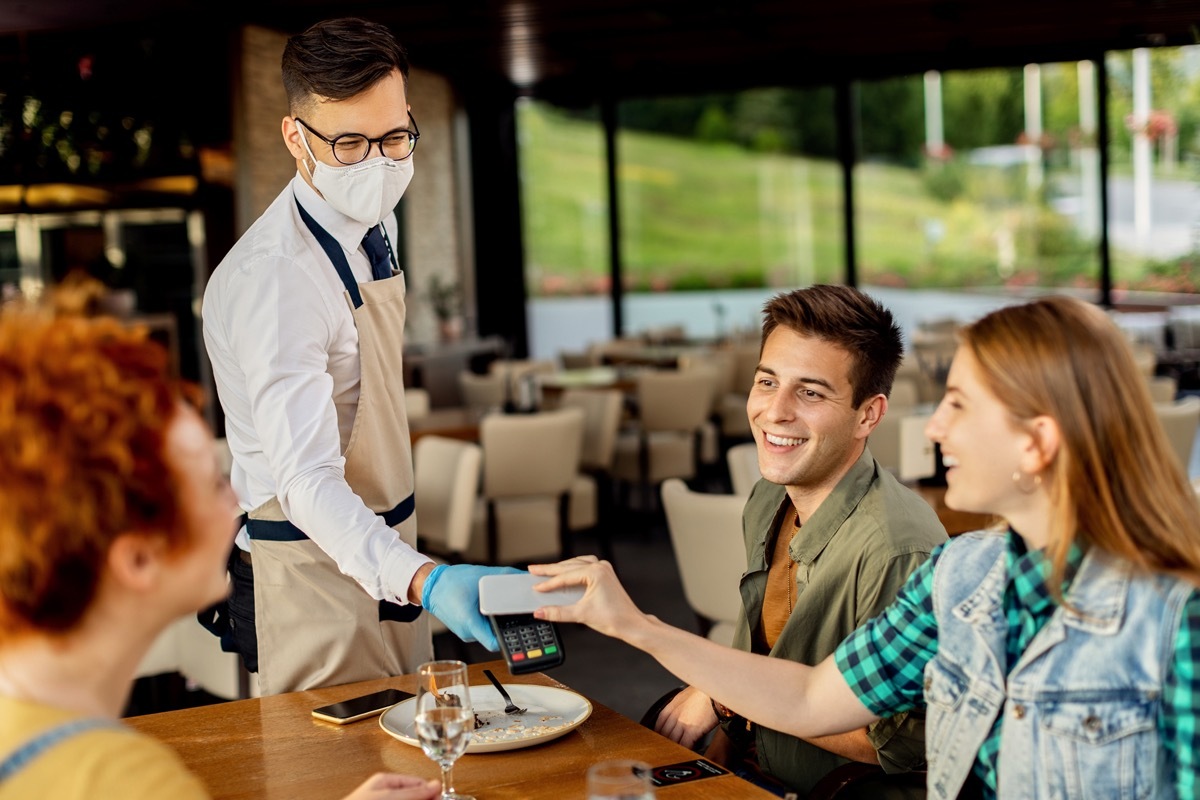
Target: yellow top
x: 97, y: 764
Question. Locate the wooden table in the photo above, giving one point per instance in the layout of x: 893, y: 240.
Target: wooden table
x: 272, y: 747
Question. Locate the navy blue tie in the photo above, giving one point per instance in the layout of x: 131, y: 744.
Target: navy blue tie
x: 377, y: 251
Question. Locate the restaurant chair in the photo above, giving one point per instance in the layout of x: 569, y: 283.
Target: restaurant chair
x: 905, y: 395
x: 530, y: 462
x: 578, y: 359
x: 901, y: 447
x: 482, y: 393
x: 416, y: 402
x: 732, y: 406
x: 706, y: 534
x: 592, y: 491
x: 446, y: 475
x: 1163, y: 388
x: 662, y: 442
x: 1180, y: 420
x: 187, y: 648
x: 742, y: 460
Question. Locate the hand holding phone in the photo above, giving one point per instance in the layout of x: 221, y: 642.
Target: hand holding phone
x: 356, y: 708
x: 501, y: 595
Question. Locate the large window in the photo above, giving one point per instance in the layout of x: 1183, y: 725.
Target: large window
x: 723, y: 199
x: 982, y: 180
x: 1154, y: 161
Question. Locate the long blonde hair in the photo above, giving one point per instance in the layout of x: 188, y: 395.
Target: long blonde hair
x: 1115, y: 482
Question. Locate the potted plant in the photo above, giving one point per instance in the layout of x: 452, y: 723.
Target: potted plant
x: 446, y: 298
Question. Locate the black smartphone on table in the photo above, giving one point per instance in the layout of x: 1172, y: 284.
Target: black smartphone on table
x: 356, y: 708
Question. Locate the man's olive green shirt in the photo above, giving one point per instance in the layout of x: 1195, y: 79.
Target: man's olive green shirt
x: 852, y: 556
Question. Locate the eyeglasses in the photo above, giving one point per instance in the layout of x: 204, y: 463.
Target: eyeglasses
x: 351, y: 148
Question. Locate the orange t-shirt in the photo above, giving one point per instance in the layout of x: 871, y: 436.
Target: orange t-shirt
x: 778, y: 601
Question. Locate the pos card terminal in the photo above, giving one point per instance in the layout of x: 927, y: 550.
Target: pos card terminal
x: 508, y: 601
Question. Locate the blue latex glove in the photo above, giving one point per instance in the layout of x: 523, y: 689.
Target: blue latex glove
x: 451, y: 594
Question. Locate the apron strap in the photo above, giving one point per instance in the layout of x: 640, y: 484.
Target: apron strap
x: 270, y: 530
x: 39, y: 744
x: 334, y: 251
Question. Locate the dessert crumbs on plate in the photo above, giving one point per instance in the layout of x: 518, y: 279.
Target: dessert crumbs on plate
x: 525, y: 727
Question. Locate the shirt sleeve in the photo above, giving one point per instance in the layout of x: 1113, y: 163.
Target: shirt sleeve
x: 281, y: 331
x: 1181, y: 697
x: 884, y: 661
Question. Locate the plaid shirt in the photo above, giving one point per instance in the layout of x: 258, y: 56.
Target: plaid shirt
x: 884, y: 660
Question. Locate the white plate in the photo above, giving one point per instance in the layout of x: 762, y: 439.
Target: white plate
x: 549, y: 714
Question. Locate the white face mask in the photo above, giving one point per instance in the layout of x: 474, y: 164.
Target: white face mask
x: 367, y: 191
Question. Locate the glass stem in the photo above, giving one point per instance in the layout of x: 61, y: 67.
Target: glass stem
x: 447, y: 779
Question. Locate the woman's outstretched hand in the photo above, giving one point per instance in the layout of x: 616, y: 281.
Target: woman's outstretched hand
x: 605, y: 606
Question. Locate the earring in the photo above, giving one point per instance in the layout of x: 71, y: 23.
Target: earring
x: 1034, y: 482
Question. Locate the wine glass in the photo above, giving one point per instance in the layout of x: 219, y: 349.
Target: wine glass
x: 444, y: 718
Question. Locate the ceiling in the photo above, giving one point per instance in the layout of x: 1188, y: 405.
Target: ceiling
x: 577, y: 50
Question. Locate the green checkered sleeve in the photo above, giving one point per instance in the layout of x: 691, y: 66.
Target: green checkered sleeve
x: 884, y: 660
x: 1178, y: 724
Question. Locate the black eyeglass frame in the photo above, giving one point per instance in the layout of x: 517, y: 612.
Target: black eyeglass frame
x: 414, y: 134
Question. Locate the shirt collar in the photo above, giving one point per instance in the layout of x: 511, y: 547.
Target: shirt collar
x: 1029, y: 572
x: 834, y: 509
x: 347, y: 231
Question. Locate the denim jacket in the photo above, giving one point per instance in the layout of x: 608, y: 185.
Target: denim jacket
x: 1082, y: 702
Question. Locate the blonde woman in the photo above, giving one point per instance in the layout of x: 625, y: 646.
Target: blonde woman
x: 1057, y: 657
x: 114, y: 521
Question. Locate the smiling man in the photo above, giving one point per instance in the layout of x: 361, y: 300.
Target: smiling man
x: 831, y: 536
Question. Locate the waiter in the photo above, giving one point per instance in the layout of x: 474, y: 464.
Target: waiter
x: 304, y: 323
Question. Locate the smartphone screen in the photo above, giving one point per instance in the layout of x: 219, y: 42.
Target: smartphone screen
x: 357, y: 708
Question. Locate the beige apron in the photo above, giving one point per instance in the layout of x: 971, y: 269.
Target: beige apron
x: 316, y: 626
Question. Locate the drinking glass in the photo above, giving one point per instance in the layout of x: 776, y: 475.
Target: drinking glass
x: 619, y: 779
x: 444, y: 718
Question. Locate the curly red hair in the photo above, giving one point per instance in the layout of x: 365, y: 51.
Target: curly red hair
x: 85, y: 405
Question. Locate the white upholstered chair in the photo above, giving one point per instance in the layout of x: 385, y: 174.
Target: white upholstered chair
x: 446, y: 475
x: 1180, y: 420
x: 706, y: 534
x: 672, y: 407
x: 482, y: 393
x: 742, y: 460
x: 592, y: 489
x: 530, y: 462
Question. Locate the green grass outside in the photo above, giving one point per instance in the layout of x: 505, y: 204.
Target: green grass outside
x: 702, y: 215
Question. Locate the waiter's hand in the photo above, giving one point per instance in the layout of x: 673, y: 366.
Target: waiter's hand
x: 451, y: 593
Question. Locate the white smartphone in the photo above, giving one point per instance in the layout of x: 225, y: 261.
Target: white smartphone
x: 513, y: 593
x: 356, y: 708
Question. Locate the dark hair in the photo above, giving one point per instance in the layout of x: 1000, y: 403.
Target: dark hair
x: 850, y: 319
x: 338, y: 59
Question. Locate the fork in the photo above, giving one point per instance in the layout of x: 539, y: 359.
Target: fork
x: 512, y: 707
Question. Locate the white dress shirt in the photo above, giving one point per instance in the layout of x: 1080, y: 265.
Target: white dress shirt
x: 284, y: 351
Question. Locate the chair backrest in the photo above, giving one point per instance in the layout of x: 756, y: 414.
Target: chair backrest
x: 674, y: 400
x: 482, y: 392
x: 1180, y: 421
x: 1163, y: 388
x: 526, y: 455
x: 745, y: 364
x: 742, y: 459
x: 416, y: 402
x: 900, y: 446
x: 601, y: 423
x: 905, y: 394
x: 446, y: 475
x: 706, y: 533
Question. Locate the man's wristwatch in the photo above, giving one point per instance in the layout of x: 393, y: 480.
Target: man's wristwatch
x: 723, y: 713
